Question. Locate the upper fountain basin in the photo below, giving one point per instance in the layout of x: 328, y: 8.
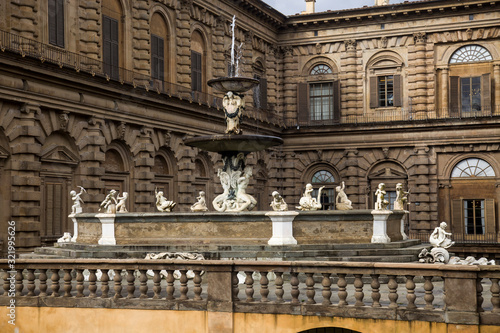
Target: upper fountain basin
x: 233, y: 143
x: 236, y: 84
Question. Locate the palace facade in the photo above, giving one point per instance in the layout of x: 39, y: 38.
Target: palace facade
x: 102, y: 93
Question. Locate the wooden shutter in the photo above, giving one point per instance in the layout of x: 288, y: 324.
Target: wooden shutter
x: 263, y: 93
x: 454, y: 96
x: 302, y: 103
x: 336, y: 101
x: 157, y: 57
x: 489, y: 212
x: 56, y: 22
x: 457, y: 221
x: 373, y: 92
x: 397, y: 91
x: 486, y: 93
x: 110, y: 46
x: 196, y: 71
x: 60, y: 22
x: 52, y: 22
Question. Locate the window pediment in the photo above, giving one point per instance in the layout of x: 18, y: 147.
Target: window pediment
x: 58, y: 154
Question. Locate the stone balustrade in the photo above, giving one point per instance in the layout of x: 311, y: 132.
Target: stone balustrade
x: 356, y: 290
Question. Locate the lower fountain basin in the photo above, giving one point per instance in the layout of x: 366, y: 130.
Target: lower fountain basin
x: 236, y: 84
x: 233, y: 143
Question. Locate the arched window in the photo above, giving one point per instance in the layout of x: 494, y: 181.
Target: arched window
x: 165, y: 170
x: 472, y: 167
x: 321, y: 69
x: 385, y: 80
x: 112, y: 37
x: 470, y: 53
x: 324, y: 178
x: 197, y: 62
x: 159, y: 48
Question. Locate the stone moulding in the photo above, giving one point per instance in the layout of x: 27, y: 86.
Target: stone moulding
x: 245, y: 228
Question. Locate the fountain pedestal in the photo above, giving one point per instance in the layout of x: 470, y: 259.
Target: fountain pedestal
x: 282, y: 228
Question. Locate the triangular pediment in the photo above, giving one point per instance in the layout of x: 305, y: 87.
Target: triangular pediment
x: 387, y: 173
x: 59, y: 154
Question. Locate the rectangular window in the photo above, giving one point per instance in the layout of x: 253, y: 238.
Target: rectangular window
x: 110, y: 47
x: 474, y: 216
x: 196, y: 71
x: 157, y: 57
x: 321, y: 101
x: 56, y: 22
x: 386, y: 90
x: 470, y: 93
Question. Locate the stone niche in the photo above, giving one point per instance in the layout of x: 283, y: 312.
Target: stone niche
x: 245, y: 228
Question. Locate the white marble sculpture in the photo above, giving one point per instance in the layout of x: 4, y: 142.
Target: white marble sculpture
x: 341, y: 201
x: 307, y: 202
x: 162, y: 204
x: 233, y: 106
x: 244, y: 200
x: 471, y: 261
x: 201, y: 204
x: 440, y: 237
x: 278, y: 204
x: 109, y: 203
x: 66, y: 238
x: 381, y: 203
x: 401, y: 197
x: 77, y: 200
x: 120, y: 207
x: 175, y: 256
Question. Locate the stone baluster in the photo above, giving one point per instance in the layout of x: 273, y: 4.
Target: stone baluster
x: 236, y: 288
x: 342, y: 284
x: 495, y: 295
x: 67, y: 282
x: 375, y: 284
x: 410, y: 296
x: 43, y: 282
x: 184, y: 288
x: 55, y: 282
x: 130, y: 283
x: 170, y: 284
x: 264, y: 287
x: 19, y: 282
x: 118, y: 283
x: 104, y: 283
x: 294, y: 282
x: 393, y: 291
x: 278, y: 282
x: 310, y: 289
x: 249, y: 289
x: 31, y: 282
x: 79, y: 282
x: 479, y: 291
x: 429, y: 296
x: 143, y: 279
x: 358, y: 285
x: 327, y: 292
x: 156, y: 284
x: 92, y: 283
x: 197, y: 285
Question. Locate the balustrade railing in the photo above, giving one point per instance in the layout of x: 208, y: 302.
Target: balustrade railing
x: 360, y: 290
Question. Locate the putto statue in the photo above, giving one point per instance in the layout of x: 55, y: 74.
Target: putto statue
x: 307, y: 202
x: 440, y: 237
x: 109, y: 203
x: 120, y: 207
x: 162, y: 204
x: 201, y: 204
x: 401, y: 197
x: 233, y: 106
x: 77, y: 200
x: 341, y: 202
x: 381, y: 203
x: 278, y: 204
x: 66, y: 238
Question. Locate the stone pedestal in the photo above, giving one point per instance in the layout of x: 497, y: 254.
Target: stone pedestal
x: 282, y: 228
x: 380, y: 218
x: 75, y: 224
x: 405, y: 236
x: 108, y: 229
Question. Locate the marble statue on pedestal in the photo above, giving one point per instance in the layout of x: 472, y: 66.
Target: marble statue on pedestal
x: 162, y: 204
x: 401, y: 197
x: 120, y: 207
x: 201, y: 204
x: 109, y: 203
x: 233, y: 106
x: 307, y: 202
x: 381, y: 203
x: 440, y: 240
x: 278, y: 204
x: 77, y: 200
x: 341, y: 202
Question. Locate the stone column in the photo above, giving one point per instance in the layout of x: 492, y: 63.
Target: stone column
x: 143, y: 150
x: 444, y: 93
x: 25, y: 22
x: 417, y: 77
x: 496, y: 75
x: 141, y: 37
x: 290, y: 68
x: 89, y: 13
x: 184, y: 43
x: 351, y: 174
x: 424, y: 190
x: 220, y: 68
x: 350, y: 84
x: 25, y: 173
x: 271, y: 77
